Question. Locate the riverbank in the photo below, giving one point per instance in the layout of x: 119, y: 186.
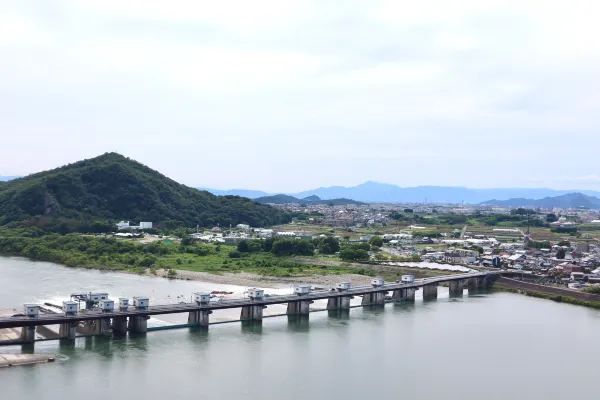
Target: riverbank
x: 264, y: 281
x: 548, y: 292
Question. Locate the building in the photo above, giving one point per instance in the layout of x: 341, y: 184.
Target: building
x: 123, y: 225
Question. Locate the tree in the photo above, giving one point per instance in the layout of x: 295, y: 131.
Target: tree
x: 561, y: 253
x: 376, y: 241
x: 288, y: 247
x: 353, y: 253
x: 235, y: 254
x: 551, y: 218
x: 327, y: 245
x: 243, y: 247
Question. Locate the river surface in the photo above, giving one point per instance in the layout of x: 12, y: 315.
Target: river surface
x: 487, y: 346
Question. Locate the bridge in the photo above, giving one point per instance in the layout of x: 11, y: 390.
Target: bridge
x: 118, y: 321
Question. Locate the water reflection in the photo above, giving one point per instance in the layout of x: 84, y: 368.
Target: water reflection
x: 339, y: 314
x: 298, y: 323
x: 252, y: 327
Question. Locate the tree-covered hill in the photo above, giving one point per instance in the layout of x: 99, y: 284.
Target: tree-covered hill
x: 112, y: 187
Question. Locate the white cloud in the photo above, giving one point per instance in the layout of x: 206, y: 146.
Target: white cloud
x: 506, y: 85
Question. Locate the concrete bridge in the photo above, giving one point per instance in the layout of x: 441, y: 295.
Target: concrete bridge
x: 108, y: 319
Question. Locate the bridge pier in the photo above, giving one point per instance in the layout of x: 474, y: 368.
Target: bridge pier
x: 252, y: 313
x: 67, y: 330
x: 199, y: 318
x: 476, y: 285
x: 119, y: 326
x: 301, y: 307
x: 404, y: 295
x: 430, y: 291
x: 104, y: 327
x: 91, y: 327
x: 138, y: 324
x: 27, y: 334
x: 373, y: 299
x: 455, y: 288
x: 339, y: 303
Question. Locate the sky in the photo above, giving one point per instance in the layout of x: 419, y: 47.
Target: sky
x: 291, y: 95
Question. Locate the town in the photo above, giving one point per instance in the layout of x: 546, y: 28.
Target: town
x: 556, y: 247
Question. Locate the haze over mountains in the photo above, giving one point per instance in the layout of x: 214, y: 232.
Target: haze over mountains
x: 375, y: 192
x: 286, y: 199
x: 571, y: 200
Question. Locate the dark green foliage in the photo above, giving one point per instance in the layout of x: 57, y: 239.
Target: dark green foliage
x: 85, y: 195
x: 522, y: 211
x: 327, y: 245
x: 235, y: 254
x: 511, y: 220
x: 560, y: 254
x: 565, y: 229
x: 288, y: 247
x: 376, y: 241
x: 103, y: 252
x: 250, y: 246
x: 539, y: 245
x: 551, y: 218
x: 355, y: 252
x: 363, y: 246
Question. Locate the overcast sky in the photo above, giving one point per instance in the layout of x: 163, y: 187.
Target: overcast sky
x: 285, y: 95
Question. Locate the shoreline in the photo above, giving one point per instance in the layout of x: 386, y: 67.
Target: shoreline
x: 265, y: 281
x: 250, y: 279
x: 558, y: 295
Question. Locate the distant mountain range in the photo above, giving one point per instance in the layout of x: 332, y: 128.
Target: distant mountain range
x: 375, y: 192
x: 7, y: 178
x: 287, y: 199
x: 570, y: 200
x: 251, y: 194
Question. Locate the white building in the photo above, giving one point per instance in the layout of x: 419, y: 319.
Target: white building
x: 122, y: 225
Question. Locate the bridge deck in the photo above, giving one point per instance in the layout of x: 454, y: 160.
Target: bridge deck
x: 51, y: 319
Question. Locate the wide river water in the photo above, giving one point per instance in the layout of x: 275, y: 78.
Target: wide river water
x: 488, y: 346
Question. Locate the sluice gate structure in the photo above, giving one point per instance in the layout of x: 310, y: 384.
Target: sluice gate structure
x: 117, y: 319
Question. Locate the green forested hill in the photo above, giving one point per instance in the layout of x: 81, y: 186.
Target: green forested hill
x: 112, y: 187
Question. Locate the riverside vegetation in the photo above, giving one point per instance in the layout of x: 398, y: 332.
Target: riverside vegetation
x: 277, y: 258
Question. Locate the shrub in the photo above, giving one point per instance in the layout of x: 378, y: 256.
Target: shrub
x: 235, y: 254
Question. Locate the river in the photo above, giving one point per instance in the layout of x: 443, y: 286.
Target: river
x: 490, y: 346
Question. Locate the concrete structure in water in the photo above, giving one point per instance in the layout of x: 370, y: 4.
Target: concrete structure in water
x: 375, y: 298
x: 200, y: 317
x: 105, y: 318
x: 301, y: 306
x: 404, y: 295
x: 430, y: 291
x: 455, y: 288
x: 139, y: 323
x: 252, y: 312
x: 340, y: 302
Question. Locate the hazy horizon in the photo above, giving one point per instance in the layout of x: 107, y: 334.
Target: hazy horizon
x: 290, y: 96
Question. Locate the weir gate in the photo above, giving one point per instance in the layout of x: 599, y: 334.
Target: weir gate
x: 108, y: 318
